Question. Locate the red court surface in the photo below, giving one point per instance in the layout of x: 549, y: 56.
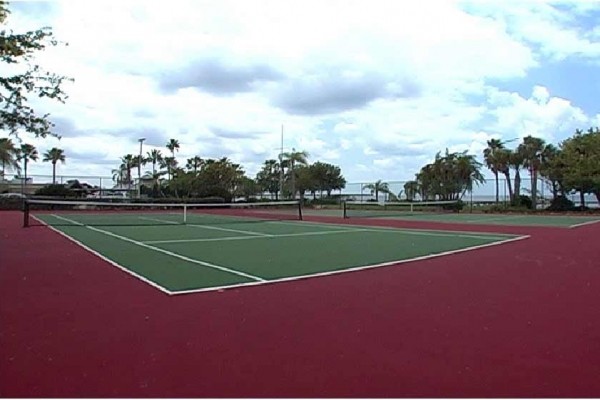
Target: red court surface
x: 517, y: 320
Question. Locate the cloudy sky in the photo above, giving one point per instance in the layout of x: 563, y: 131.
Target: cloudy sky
x: 374, y: 86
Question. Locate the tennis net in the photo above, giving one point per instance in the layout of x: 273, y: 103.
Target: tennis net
x: 89, y: 213
x: 355, y: 209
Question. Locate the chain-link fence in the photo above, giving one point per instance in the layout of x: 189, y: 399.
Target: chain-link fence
x: 481, y: 194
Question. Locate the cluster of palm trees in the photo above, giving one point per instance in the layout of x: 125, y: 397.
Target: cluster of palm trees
x: 122, y: 175
x: 11, y: 155
x: 530, y: 154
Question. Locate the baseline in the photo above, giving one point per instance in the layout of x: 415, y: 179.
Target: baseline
x: 353, y: 269
x: 167, y: 252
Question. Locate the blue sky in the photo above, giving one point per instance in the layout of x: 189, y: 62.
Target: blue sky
x: 376, y: 87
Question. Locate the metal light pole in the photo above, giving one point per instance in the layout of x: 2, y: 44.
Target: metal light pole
x: 139, y: 186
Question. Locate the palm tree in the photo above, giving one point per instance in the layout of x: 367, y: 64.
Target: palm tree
x: 54, y: 155
x: 377, y: 187
x: 194, y: 163
x: 9, y: 155
x: 490, y: 155
x: 127, y: 163
x: 119, y: 175
x: 531, y: 150
x: 27, y: 152
x: 411, y: 188
x: 467, y: 171
x: 515, y: 161
x: 291, y: 159
x: 502, y: 158
x: 154, y: 157
x: 170, y: 163
x: 172, y: 145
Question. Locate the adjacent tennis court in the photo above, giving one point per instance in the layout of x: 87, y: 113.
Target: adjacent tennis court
x: 440, y: 211
x: 197, y: 248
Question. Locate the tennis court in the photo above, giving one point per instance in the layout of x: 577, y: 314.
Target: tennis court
x: 208, y: 248
x: 432, y: 212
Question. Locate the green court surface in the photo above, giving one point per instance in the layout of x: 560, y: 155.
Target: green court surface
x: 567, y: 221
x: 182, y: 258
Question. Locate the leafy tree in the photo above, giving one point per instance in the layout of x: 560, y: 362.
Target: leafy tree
x: 378, y: 187
x: 27, y: 153
x: 290, y: 160
x: 305, y: 180
x: 246, y: 187
x: 580, y: 155
x: 18, y: 51
x: 268, y: 177
x: 194, y: 163
x: 9, y: 155
x: 552, y: 168
x: 218, y: 178
x: 450, y: 176
x: 327, y: 177
x: 54, y: 155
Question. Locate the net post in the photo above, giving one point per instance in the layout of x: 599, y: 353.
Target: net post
x: 300, y: 209
x: 345, y: 209
x: 25, y: 213
x: 185, y: 214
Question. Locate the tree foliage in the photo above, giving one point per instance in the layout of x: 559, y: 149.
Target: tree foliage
x: 24, y: 78
x: 449, y: 176
x: 54, y: 155
x: 579, y: 157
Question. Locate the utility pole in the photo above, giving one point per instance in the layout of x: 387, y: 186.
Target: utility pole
x: 139, y: 186
x: 281, y: 165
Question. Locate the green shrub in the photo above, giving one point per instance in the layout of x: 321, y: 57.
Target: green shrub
x: 56, y: 191
x: 456, y: 207
x: 561, y: 203
x: 523, y: 201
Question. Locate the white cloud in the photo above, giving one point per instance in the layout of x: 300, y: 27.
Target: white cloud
x: 377, y: 87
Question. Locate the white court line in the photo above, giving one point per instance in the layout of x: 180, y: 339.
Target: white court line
x: 493, y: 218
x: 584, y: 223
x: 210, y: 227
x: 255, y: 237
x: 102, y: 257
x: 385, y: 229
x: 353, y: 269
x: 167, y: 252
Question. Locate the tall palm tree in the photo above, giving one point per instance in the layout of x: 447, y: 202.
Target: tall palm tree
x: 502, y: 157
x: 54, y: 155
x: 172, y: 145
x: 490, y: 155
x: 531, y: 149
x: 27, y: 153
x: 378, y: 187
x: 467, y: 171
x: 291, y: 159
x: 9, y: 155
x: 516, y: 161
x: 128, y: 162
x: 170, y: 163
x: 154, y: 157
